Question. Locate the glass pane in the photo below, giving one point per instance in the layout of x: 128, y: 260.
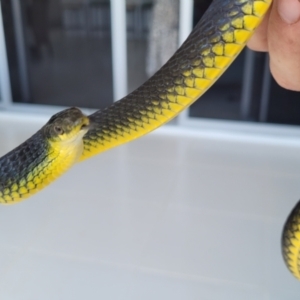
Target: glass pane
x: 59, y: 51
x: 152, y: 37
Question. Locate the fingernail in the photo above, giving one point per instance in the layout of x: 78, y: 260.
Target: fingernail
x: 289, y: 10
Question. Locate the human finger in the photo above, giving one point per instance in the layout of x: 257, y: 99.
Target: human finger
x: 284, y: 44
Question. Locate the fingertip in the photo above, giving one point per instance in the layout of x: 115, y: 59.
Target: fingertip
x: 284, y: 48
x: 289, y: 11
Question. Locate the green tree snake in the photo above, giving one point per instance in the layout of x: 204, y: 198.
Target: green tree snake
x: 70, y: 136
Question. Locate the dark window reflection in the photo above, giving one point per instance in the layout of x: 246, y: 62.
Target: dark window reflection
x: 284, y: 105
x: 63, y: 54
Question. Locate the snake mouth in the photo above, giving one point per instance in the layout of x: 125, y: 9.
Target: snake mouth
x: 86, y: 124
x: 89, y: 125
x: 85, y: 127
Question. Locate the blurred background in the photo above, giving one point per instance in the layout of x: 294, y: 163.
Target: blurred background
x: 60, y: 52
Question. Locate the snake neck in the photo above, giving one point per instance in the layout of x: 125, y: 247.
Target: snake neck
x: 34, y: 165
x: 66, y: 153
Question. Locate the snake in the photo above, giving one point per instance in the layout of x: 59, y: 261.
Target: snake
x: 70, y: 136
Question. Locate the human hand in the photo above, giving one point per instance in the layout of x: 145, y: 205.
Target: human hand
x: 279, y: 34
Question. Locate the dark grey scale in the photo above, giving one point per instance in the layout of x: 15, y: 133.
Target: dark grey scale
x: 233, y: 12
x: 18, y: 163
x: 240, y: 2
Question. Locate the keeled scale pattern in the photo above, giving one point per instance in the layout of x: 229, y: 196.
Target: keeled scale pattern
x: 291, y: 241
x: 214, y: 43
x: 24, y: 169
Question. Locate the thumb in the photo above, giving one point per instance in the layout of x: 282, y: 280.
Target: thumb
x: 284, y: 43
x: 289, y: 11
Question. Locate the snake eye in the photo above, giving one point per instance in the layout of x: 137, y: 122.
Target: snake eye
x: 58, y: 130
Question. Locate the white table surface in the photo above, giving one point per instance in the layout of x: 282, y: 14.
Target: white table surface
x: 178, y: 214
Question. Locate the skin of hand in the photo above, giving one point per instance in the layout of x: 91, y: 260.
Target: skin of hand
x: 279, y: 34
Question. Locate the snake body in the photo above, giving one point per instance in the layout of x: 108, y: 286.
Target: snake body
x: 211, y: 47
x: 70, y: 136
x: 290, y: 241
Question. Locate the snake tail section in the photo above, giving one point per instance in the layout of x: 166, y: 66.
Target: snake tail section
x: 290, y: 241
x: 212, y: 46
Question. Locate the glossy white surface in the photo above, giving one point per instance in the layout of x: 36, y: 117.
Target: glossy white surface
x: 178, y: 214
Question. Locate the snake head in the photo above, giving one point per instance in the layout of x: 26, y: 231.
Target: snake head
x: 67, y: 126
